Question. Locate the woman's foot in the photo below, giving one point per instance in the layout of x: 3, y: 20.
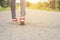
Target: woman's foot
x: 22, y: 19
x: 14, y: 20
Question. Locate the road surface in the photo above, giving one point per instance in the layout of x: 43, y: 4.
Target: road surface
x: 39, y: 25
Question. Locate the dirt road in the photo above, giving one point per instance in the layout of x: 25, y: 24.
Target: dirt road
x: 40, y: 25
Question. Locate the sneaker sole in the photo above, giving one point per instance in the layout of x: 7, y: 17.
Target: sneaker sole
x: 22, y: 23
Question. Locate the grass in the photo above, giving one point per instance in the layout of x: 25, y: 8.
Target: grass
x: 48, y: 9
x: 4, y: 9
x: 8, y: 8
x: 31, y: 7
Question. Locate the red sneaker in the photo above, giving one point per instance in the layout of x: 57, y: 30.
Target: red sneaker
x: 22, y: 19
x: 14, y: 20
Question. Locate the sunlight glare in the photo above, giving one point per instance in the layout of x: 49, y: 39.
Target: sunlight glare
x: 33, y: 1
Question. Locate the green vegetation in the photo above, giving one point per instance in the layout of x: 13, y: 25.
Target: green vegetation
x: 17, y: 5
x: 52, y: 5
x: 8, y: 8
x: 4, y: 3
x: 58, y: 4
x: 4, y: 9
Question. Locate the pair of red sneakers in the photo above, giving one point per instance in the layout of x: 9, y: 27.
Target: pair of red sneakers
x: 21, y: 20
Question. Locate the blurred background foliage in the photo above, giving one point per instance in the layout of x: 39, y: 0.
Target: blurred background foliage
x: 51, y: 5
x: 4, y: 3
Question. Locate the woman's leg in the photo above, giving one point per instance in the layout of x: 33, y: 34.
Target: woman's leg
x: 22, y: 14
x: 14, y: 20
x: 13, y: 9
x: 23, y: 5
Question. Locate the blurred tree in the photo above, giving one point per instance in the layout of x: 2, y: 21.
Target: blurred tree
x: 39, y: 5
x: 4, y: 3
x: 45, y: 4
x: 52, y: 4
x: 28, y: 4
x: 58, y: 4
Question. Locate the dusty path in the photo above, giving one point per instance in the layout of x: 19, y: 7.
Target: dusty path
x: 40, y: 25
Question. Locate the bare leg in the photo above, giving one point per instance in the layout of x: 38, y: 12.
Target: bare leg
x: 13, y: 9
